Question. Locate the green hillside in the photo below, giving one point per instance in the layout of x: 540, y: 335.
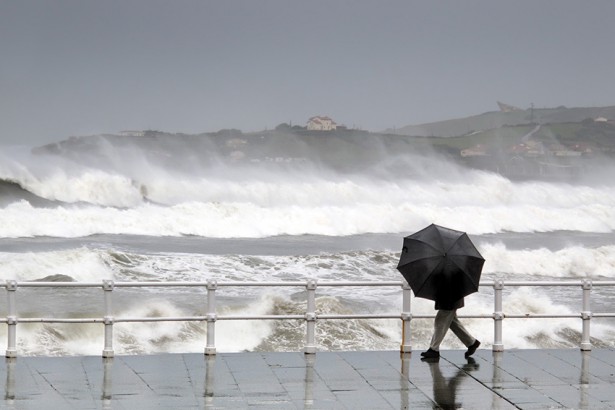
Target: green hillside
x: 600, y: 136
x: 498, y: 119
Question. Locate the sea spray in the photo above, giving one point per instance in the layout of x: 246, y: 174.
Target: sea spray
x: 246, y: 220
x: 80, y: 264
x: 569, y: 262
x: 177, y: 209
x: 116, y: 186
x: 289, y: 335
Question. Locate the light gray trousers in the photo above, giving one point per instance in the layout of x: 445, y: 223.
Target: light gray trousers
x: 447, y: 319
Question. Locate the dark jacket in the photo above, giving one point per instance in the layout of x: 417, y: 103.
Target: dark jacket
x: 449, y: 306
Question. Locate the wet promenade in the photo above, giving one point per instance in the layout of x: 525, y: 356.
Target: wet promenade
x: 525, y: 379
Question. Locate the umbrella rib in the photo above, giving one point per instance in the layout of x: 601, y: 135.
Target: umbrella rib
x: 422, y: 242
x: 464, y: 272
x: 464, y: 236
x: 455, y: 242
x: 426, y: 280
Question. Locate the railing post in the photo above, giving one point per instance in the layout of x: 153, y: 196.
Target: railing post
x: 406, y: 318
x: 9, y: 395
x: 586, y: 315
x: 11, y: 319
x: 498, y: 316
x: 108, y: 319
x: 107, y: 391
x: 210, y: 348
x: 310, y: 317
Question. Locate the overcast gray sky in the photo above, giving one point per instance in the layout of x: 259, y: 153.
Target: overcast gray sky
x: 79, y: 67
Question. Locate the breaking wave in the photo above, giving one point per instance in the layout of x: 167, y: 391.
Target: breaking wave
x: 125, y: 209
x: 115, y: 188
x: 89, y: 264
x: 289, y: 335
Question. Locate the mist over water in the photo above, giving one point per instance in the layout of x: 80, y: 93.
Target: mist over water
x: 191, y: 209
x: 164, y: 189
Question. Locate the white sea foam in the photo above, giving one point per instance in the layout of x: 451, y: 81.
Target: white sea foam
x: 80, y: 264
x: 89, y: 264
x: 62, y: 180
x: 129, y: 195
x: 343, y: 215
x: 241, y: 335
x: 93, y: 265
x: 575, y: 261
x: 121, y: 192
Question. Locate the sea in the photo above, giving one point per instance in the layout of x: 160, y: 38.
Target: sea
x: 178, y: 208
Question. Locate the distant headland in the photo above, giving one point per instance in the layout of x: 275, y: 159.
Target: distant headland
x: 518, y: 143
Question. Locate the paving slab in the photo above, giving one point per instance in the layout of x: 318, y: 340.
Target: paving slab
x: 515, y: 379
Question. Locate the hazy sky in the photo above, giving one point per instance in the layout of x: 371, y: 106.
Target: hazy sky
x: 79, y: 67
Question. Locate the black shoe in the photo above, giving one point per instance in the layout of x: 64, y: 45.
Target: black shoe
x: 471, y: 365
x: 472, y: 348
x: 431, y: 354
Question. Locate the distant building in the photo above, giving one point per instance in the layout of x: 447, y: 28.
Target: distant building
x: 601, y: 119
x: 132, y: 133
x: 236, y: 143
x: 478, y: 150
x: 528, y: 149
x: 507, y: 107
x: 560, y: 150
x: 584, y: 149
x: 321, y: 123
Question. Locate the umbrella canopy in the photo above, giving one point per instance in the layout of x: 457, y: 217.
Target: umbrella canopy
x: 440, y: 264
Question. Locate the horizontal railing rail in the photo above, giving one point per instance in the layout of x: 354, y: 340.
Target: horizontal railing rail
x: 311, y: 316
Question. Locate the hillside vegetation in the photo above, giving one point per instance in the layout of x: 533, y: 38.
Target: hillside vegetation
x: 527, y: 150
x: 599, y: 136
x: 498, y: 119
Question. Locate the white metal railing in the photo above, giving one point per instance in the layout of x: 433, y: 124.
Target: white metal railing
x: 310, y: 316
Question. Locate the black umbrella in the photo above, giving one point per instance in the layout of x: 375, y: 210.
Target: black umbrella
x: 440, y: 264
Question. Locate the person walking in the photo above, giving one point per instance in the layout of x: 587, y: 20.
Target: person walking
x: 446, y: 318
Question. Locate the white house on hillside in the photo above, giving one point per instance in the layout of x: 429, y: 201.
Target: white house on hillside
x: 321, y: 123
